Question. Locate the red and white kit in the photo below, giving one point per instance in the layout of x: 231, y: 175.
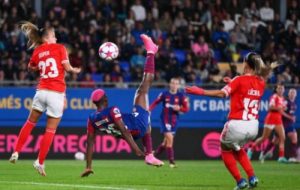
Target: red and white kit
x: 274, y: 117
x: 49, y: 59
x: 245, y: 94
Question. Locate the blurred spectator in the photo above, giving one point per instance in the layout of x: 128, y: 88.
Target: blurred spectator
x: 165, y: 23
x: 200, y: 47
x: 266, y: 12
x: 234, y: 8
x: 87, y: 81
x: 138, y: 59
x: 180, y: 22
x: 116, y: 74
x: 204, y: 12
x: 228, y: 23
x: 277, y: 24
x: 251, y: 11
x: 294, y: 8
x: 129, y: 21
x: 254, y: 39
x: 218, y: 10
x: 287, y: 78
x: 155, y: 10
x: 241, y: 37
x: 138, y: 10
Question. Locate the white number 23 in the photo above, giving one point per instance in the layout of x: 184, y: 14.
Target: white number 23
x: 53, y: 72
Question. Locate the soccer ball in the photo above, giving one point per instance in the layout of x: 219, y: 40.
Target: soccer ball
x: 108, y: 51
x: 79, y: 156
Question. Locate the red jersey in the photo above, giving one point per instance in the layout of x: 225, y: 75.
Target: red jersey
x: 245, y: 93
x: 49, y: 58
x: 275, y: 117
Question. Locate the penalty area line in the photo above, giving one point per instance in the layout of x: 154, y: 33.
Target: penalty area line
x: 66, y: 185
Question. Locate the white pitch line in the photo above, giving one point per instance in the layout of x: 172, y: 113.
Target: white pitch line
x: 65, y: 185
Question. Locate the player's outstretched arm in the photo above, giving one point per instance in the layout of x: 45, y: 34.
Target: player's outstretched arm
x: 155, y: 102
x: 68, y: 67
x: 200, y: 91
x: 128, y: 137
x: 227, y: 80
x: 32, y: 68
x: 89, y: 155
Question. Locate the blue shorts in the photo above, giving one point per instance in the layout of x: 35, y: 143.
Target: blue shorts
x: 137, y: 122
x: 289, y: 129
x: 167, y: 127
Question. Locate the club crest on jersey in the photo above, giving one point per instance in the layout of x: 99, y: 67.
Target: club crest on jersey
x: 176, y: 100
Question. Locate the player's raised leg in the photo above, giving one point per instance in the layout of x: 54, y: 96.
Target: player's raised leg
x: 24, y: 134
x: 141, y: 96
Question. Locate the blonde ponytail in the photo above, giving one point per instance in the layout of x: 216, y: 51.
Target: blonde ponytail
x: 32, y: 33
x: 265, y: 70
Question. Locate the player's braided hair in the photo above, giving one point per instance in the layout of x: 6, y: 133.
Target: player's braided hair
x: 256, y: 63
x: 33, y: 33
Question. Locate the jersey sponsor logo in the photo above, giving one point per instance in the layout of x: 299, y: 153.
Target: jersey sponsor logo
x: 111, y: 130
x: 101, y: 122
x: 168, y: 105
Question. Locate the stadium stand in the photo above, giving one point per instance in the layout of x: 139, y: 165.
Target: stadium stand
x: 229, y: 28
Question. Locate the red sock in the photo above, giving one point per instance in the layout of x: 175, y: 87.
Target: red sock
x: 160, y: 149
x: 243, y: 159
x: 281, y: 152
x: 170, y: 154
x: 24, y: 134
x: 293, y: 150
x: 147, y: 142
x: 149, y: 65
x: 230, y: 163
x: 45, y: 144
x: 269, y: 147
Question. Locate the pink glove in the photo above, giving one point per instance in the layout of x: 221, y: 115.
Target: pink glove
x: 194, y: 90
x: 227, y: 79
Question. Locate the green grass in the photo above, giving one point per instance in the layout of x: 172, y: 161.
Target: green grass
x: 135, y: 175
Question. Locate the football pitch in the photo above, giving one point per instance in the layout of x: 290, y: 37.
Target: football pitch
x: 135, y: 175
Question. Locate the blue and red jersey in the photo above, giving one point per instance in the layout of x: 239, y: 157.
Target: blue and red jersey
x: 169, y: 100
x: 105, y: 120
x: 291, y: 110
